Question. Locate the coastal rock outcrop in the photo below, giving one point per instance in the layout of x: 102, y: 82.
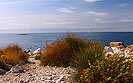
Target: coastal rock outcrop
x: 119, y: 48
x: 37, y: 74
x: 117, y: 44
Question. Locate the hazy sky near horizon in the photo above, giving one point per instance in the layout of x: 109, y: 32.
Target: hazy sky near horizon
x: 64, y: 15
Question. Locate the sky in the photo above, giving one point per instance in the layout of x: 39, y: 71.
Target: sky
x: 38, y: 16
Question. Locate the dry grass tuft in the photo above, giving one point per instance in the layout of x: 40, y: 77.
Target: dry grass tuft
x: 13, y: 54
x: 62, y: 52
x: 57, y: 54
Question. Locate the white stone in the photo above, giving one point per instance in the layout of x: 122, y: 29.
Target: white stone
x: 38, y: 51
x: 57, y: 81
x: 30, y: 53
x: 108, y: 49
x: 2, y: 71
x: 116, y: 50
x: 16, y: 69
x: 108, y: 54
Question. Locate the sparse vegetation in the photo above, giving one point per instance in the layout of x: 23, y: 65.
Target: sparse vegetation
x: 87, y: 56
x: 62, y: 52
x: 81, y: 58
x: 38, y: 57
x: 71, y: 51
x: 13, y: 54
x: 2, y: 65
x: 113, y: 69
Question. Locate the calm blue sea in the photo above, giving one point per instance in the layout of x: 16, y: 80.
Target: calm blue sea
x: 32, y: 41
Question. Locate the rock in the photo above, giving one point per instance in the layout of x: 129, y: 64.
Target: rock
x: 119, y: 48
x: 8, y: 67
x: 49, y: 78
x: 116, y: 50
x: 27, y: 80
x: 122, y: 49
x: 63, y: 81
x: 31, y: 78
x: 7, y: 79
x: 30, y: 53
x: 27, y: 72
x: 38, y: 51
x: 2, y: 71
x: 16, y: 69
x: 21, y: 81
x: 30, y: 74
x: 108, y: 54
x: 109, y: 49
x: 15, y: 79
x: 130, y: 48
x: 122, y: 53
x: 116, y: 44
x: 17, y: 74
x: 34, y: 67
x: 60, y: 79
x: 37, y: 74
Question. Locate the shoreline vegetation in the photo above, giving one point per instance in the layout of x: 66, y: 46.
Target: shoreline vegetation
x: 69, y: 59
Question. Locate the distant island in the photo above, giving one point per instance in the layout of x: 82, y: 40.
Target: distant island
x: 23, y: 34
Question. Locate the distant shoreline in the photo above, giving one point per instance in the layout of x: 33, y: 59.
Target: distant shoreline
x: 61, y: 32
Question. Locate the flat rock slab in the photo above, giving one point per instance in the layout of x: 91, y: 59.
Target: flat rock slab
x: 116, y: 44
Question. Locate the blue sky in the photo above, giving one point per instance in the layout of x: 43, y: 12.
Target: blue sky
x: 66, y: 15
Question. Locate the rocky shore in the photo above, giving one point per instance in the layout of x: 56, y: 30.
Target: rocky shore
x: 121, y: 49
x: 32, y: 72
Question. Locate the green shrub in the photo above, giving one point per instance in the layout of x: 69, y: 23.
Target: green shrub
x: 2, y: 65
x: 113, y: 69
x: 75, y: 42
x: 81, y: 58
x: 38, y: 57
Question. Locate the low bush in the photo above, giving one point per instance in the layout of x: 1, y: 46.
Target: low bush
x: 2, y: 65
x: 88, y: 53
x: 81, y: 58
x: 75, y: 42
x: 113, y: 69
x: 38, y: 57
x: 57, y: 54
x: 13, y: 54
x: 62, y: 52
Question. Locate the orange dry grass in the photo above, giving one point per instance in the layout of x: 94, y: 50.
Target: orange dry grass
x: 57, y: 54
x: 13, y: 55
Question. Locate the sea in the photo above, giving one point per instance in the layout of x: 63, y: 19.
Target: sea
x: 32, y: 41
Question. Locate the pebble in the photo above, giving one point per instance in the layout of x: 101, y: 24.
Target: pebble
x: 21, y: 81
x: 17, y: 74
x: 37, y: 74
